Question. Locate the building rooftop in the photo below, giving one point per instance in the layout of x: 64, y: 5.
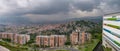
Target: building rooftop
x: 113, y: 14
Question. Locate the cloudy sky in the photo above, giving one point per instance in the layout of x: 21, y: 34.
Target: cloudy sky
x: 49, y: 10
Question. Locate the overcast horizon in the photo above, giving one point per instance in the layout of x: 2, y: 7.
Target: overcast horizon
x: 54, y: 10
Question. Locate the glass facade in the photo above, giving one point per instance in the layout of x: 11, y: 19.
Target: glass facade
x: 111, y: 31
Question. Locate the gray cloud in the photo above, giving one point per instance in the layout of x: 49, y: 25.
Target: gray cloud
x: 47, y: 10
x: 86, y: 5
x: 16, y: 7
x: 110, y: 6
x: 53, y: 7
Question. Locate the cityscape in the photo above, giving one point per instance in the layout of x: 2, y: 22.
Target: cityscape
x: 50, y: 37
x: 59, y: 25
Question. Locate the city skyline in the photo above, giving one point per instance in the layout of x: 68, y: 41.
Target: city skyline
x: 60, y: 25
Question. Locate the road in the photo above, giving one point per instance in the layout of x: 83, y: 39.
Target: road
x: 3, y: 49
x: 99, y: 47
x: 70, y: 49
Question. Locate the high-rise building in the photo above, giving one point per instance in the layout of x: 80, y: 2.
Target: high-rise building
x: 42, y: 40
x: 61, y: 40
x: 6, y: 35
x: 58, y: 40
x: 22, y: 38
x: 16, y: 38
x: 111, y: 31
x: 52, y: 40
x: 74, y: 38
x: 79, y: 37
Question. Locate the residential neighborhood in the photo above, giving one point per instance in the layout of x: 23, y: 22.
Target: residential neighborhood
x: 62, y: 35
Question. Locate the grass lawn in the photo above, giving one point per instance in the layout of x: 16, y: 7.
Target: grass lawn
x: 12, y: 48
x: 89, y: 46
x: 114, y: 26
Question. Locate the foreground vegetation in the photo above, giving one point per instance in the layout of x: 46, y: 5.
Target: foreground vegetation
x: 89, y: 46
x: 112, y: 19
x: 114, y: 26
x: 12, y: 48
